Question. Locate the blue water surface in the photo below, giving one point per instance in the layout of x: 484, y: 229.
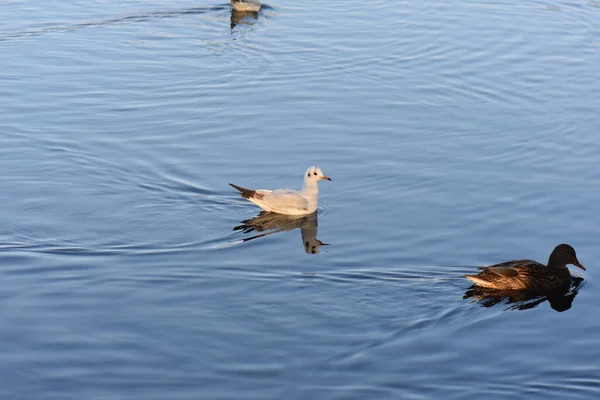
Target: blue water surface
x: 456, y: 133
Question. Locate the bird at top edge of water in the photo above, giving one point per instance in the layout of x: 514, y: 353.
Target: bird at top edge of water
x: 246, y: 5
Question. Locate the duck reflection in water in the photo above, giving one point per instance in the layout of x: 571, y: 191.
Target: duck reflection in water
x: 243, y: 17
x: 267, y: 223
x: 560, y: 299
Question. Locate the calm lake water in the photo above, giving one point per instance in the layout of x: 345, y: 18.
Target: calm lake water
x: 456, y: 133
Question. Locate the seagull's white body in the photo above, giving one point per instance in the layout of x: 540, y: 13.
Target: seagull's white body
x: 246, y: 5
x: 288, y: 201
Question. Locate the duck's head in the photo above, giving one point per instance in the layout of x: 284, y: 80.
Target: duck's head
x: 314, y: 174
x: 562, y: 255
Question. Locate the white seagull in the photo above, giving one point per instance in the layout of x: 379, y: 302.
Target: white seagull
x: 246, y: 5
x: 288, y: 201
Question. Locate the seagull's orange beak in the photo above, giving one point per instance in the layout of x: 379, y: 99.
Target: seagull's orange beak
x: 577, y: 264
x: 326, y: 177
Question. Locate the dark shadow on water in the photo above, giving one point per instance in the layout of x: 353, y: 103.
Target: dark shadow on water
x: 266, y: 223
x: 237, y: 17
x: 559, y: 299
x: 142, y: 17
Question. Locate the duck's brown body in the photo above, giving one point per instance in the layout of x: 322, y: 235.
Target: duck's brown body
x: 521, y: 275
x: 529, y: 274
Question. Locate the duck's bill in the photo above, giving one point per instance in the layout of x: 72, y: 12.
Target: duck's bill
x: 577, y: 264
x: 327, y: 178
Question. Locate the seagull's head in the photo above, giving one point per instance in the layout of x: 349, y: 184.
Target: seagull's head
x: 312, y: 246
x: 314, y: 174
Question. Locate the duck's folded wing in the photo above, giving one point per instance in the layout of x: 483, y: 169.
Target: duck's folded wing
x: 514, y: 265
x: 282, y: 199
x: 505, y: 272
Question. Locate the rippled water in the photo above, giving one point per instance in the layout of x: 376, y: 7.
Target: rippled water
x: 457, y: 134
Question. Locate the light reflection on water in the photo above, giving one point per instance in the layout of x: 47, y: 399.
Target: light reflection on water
x: 265, y: 224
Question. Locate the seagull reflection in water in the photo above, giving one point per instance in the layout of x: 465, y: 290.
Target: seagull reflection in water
x: 560, y: 299
x: 267, y: 223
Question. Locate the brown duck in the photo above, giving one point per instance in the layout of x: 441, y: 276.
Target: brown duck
x: 529, y: 274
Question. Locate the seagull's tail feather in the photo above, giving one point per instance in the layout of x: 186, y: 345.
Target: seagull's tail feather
x: 246, y: 193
